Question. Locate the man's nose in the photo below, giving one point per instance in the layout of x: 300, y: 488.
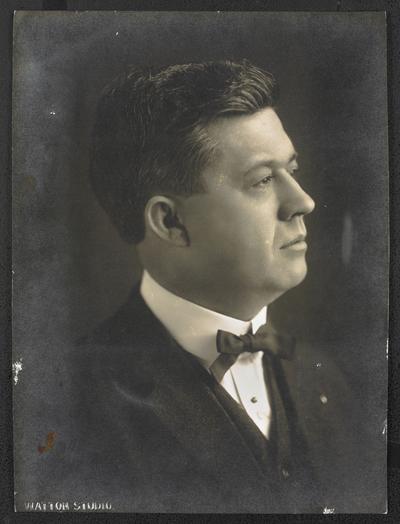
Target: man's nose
x: 294, y: 201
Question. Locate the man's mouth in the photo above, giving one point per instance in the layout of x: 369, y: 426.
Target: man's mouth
x: 297, y: 243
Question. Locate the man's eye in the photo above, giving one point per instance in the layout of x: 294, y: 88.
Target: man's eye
x: 265, y: 181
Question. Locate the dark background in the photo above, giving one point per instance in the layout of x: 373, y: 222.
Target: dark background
x: 70, y: 268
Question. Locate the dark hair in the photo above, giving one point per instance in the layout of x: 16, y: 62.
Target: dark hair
x: 150, y: 133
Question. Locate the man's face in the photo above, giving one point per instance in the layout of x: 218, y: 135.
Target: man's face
x: 246, y: 231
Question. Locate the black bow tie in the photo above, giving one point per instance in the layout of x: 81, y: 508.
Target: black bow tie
x: 266, y: 339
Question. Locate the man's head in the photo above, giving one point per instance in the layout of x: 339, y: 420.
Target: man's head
x: 192, y: 164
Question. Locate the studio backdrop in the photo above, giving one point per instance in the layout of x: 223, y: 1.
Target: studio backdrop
x: 71, y: 270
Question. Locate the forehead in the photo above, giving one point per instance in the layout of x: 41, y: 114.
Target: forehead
x: 245, y: 139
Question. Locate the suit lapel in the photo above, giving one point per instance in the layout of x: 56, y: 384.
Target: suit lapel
x: 291, y: 439
x: 258, y: 445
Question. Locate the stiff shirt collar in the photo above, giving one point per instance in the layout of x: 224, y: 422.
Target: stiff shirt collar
x: 192, y: 326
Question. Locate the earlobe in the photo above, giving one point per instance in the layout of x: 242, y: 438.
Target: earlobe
x: 162, y: 218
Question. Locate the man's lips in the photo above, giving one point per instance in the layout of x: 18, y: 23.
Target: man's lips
x: 297, y: 240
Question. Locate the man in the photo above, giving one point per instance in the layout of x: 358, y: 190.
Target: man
x: 187, y: 400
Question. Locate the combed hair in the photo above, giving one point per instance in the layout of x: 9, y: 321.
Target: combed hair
x: 150, y: 134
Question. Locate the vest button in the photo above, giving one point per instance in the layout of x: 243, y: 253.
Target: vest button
x: 285, y: 473
x: 254, y: 400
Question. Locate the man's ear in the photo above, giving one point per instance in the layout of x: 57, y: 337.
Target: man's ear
x: 162, y: 217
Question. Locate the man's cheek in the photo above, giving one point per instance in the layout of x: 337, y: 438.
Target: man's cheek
x: 227, y: 230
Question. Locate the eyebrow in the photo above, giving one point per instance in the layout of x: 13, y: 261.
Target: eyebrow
x: 270, y: 163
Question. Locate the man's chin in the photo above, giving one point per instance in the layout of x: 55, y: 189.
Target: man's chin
x: 296, y: 277
x: 291, y: 279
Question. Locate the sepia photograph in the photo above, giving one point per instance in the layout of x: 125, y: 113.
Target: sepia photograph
x: 200, y: 262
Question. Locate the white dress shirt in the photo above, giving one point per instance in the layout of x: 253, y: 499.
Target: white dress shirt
x: 195, y: 328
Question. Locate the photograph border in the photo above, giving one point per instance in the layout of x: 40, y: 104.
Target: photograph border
x: 393, y: 29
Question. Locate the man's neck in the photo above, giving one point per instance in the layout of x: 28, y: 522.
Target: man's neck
x: 225, y: 302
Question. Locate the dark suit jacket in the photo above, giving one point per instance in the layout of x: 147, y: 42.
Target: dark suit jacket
x: 150, y: 431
